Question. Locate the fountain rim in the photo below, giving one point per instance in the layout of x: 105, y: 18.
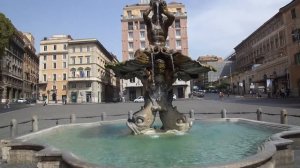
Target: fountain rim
x: 264, y: 154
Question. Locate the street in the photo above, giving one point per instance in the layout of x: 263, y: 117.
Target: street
x: 211, y: 103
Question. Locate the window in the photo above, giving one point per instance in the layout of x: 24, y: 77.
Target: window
x: 64, y: 76
x: 88, y: 84
x: 132, y: 80
x: 178, y: 43
x: 80, y: 60
x: 297, y: 58
x: 64, y: 87
x: 64, y: 65
x: 130, y: 44
x: 54, y: 87
x: 45, y: 57
x: 54, y: 65
x: 131, y: 55
x: 73, y: 74
x: 130, y: 35
x: 177, y: 23
x: 73, y: 49
x: 73, y: 60
x: 45, y: 66
x: 45, y: 48
x: 73, y: 85
x: 142, y: 26
x: 296, y: 35
x: 143, y: 44
x: 88, y: 73
x: 54, y: 57
x: 88, y: 49
x: 45, y: 77
x: 293, y: 13
x: 142, y: 34
x: 129, y: 13
x: 130, y: 25
x: 65, y: 46
x: 54, y: 47
x: 64, y: 56
x: 88, y: 60
x: 80, y: 49
x: 178, y: 33
x: 54, y: 77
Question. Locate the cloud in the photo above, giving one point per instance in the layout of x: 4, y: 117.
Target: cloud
x: 220, y: 26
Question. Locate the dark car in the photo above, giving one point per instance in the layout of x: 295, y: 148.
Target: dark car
x: 198, y: 93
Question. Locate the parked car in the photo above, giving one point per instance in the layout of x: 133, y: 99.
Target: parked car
x: 21, y: 100
x: 140, y: 99
x: 198, y: 93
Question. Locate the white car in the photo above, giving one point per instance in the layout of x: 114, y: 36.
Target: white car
x: 21, y: 100
x: 140, y: 99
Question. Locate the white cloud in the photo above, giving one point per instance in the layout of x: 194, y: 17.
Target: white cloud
x: 216, y: 28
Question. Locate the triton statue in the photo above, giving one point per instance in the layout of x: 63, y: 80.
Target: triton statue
x: 158, y: 68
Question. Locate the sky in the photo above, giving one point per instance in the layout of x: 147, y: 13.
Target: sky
x: 215, y: 27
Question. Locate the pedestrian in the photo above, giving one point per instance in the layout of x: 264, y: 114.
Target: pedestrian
x: 45, y: 102
x: 7, y: 103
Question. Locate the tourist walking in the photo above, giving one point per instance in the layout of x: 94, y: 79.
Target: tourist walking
x: 46, y: 101
x: 7, y: 103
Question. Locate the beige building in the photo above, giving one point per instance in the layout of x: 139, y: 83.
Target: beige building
x: 89, y: 81
x: 266, y: 61
x: 53, y: 68
x: 73, y: 70
x: 134, y: 37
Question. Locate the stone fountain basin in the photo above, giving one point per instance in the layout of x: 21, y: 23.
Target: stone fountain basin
x: 277, y: 150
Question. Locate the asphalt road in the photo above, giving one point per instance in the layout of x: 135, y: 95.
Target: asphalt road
x: 209, y: 104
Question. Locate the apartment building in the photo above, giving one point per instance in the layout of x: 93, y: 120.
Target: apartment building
x: 134, y: 37
x: 11, y: 69
x: 89, y: 81
x: 73, y: 70
x: 30, y: 68
x: 267, y: 60
x: 53, y: 68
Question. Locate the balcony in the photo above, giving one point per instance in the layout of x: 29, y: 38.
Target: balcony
x: 78, y: 79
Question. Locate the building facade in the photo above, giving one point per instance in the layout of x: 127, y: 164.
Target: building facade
x: 11, y: 77
x: 30, y: 68
x: 73, y: 70
x: 266, y: 61
x: 134, y: 37
x: 53, y: 68
x: 89, y: 80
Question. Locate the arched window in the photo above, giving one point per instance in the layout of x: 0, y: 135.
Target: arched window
x: 81, y: 72
x: 73, y: 72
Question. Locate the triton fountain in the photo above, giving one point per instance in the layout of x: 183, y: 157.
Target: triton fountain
x: 211, y: 143
x: 158, y: 68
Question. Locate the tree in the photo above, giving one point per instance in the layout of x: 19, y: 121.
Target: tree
x: 223, y: 86
x: 7, y: 30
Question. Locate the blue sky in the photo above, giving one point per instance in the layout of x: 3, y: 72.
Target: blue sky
x: 215, y: 27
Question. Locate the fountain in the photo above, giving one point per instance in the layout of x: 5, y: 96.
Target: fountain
x: 214, y: 143
x: 158, y: 68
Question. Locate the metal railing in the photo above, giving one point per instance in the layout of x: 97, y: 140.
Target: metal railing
x: 13, y: 126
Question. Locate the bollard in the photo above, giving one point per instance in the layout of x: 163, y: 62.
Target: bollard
x: 283, y: 116
x: 13, y: 128
x: 259, y: 114
x: 103, y: 116
x: 130, y: 115
x: 73, y: 118
x: 35, y: 123
x: 192, y: 113
x: 223, y: 113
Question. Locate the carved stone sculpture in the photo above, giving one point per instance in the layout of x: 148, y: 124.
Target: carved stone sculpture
x: 158, y: 68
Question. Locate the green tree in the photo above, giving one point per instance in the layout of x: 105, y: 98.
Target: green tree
x: 7, y: 30
x: 223, y: 86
